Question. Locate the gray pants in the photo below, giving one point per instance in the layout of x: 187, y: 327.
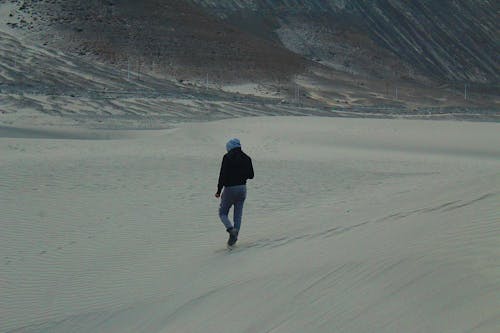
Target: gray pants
x: 232, y: 196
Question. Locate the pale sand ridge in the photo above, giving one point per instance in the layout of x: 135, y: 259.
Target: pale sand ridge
x: 351, y: 225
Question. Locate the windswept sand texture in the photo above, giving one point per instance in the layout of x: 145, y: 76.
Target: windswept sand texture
x: 351, y: 225
x: 113, y: 122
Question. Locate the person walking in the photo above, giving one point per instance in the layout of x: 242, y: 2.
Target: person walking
x: 235, y: 170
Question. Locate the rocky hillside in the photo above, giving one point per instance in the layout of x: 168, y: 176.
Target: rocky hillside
x: 175, y: 38
x: 396, y: 53
x: 446, y: 40
x: 451, y: 40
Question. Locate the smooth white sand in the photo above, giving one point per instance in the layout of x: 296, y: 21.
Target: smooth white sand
x: 350, y: 226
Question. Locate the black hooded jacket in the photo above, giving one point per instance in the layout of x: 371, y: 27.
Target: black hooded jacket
x: 236, y: 168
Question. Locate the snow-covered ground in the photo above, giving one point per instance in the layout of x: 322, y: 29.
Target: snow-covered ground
x: 351, y: 225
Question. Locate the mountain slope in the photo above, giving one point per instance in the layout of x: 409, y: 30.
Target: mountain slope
x: 384, y: 53
x: 445, y: 40
x: 162, y: 36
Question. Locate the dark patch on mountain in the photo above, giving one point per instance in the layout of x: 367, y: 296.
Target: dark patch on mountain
x: 173, y: 37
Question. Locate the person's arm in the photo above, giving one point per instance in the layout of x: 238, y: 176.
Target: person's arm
x: 222, y: 175
x: 250, y: 171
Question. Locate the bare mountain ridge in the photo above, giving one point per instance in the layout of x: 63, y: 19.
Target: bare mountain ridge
x: 394, y: 53
x: 445, y: 40
x: 172, y: 37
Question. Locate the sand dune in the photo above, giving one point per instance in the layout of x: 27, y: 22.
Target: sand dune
x: 351, y: 226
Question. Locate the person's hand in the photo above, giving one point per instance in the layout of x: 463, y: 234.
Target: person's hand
x: 217, y: 195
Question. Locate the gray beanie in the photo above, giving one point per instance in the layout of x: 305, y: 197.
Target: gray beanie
x: 233, y: 143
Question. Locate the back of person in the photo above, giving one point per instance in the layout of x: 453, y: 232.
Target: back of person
x: 238, y: 168
x: 235, y: 169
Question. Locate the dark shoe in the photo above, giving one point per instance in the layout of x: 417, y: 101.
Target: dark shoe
x: 233, y: 236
